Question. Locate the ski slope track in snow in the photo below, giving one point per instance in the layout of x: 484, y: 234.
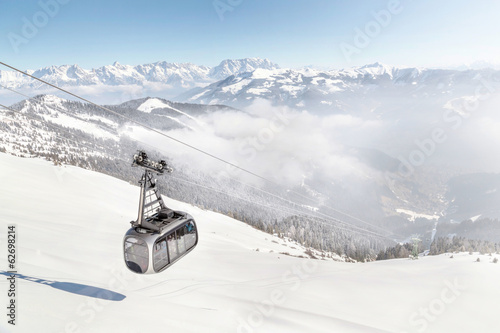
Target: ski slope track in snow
x: 71, y: 276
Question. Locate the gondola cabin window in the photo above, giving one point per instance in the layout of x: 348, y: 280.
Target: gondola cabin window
x: 172, y: 246
x: 136, y: 254
x: 179, y: 242
x: 160, y: 255
x: 190, y: 235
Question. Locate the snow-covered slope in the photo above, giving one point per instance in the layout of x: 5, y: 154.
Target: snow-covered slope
x: 70, y: 223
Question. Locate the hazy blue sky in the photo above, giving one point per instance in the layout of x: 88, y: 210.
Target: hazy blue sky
x: 292, y: 33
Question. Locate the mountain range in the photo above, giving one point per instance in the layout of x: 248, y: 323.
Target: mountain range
x: 164, y: 78
x: 240, y: 83
x: 346, y: 90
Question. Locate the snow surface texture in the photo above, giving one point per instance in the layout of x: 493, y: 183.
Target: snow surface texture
x: 70, y: 224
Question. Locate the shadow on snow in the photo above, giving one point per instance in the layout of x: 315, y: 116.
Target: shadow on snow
x: 74, y: 288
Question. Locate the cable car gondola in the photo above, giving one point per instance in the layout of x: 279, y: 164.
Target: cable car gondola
x: 160, y: 236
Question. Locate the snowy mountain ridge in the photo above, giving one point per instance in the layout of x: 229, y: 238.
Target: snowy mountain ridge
x: 239, y: 83
x: 232, y: 67
x: 177, y: 75
x: 50, y: 126
x: 332, y: 89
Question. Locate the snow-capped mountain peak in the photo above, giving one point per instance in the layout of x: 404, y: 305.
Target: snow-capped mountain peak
x: 232, y: 67
x: 150, y: 104
x: 377, y: 69
x: 50, y: 99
